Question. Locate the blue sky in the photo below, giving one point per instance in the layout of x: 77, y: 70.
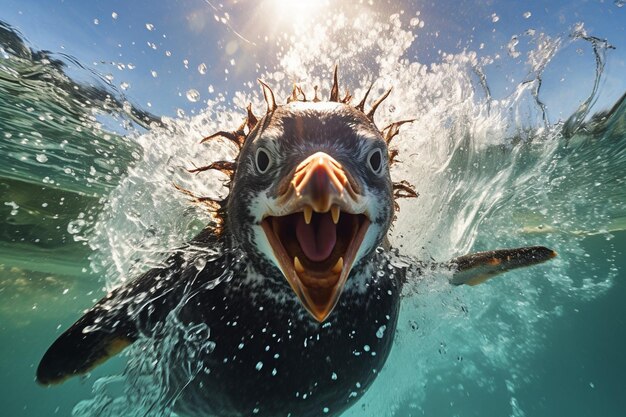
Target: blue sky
x: 103, y: 34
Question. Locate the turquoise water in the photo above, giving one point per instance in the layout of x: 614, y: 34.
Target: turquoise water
x: 514, y: 145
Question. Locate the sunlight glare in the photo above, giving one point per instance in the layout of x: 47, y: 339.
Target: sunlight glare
x: 295, y: 10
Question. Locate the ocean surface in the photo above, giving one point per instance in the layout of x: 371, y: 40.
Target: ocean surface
x: 519, y: 140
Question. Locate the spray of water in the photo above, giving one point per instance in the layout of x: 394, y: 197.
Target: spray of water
x: 490, y: 173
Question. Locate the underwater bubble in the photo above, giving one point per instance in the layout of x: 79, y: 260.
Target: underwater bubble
x: 154, y: 74
x: 494, y: 17
x: 193, y: 95
x: 381, y: 331
x: 168, y: 53
x: 114, y: 15
x: 620, y: 3
x: 75, y: 226
x: 333, y: 376
x: 124, y: 86
x: 259, y: 366
x: 13, y: 206
x: 202, y: 68
x: 42, y: 158
x: 150, y: 26
x: 527, y: 15
x: 180, y: 112
x: 96, y: 22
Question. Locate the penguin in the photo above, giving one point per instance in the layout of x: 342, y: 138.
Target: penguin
x: 295, y: 280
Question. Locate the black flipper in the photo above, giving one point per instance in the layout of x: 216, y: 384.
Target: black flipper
x: 118, y: 319
x: 105, y: 330
x: 476, y: 268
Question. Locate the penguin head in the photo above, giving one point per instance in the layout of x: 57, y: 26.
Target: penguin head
x: 311, y: 195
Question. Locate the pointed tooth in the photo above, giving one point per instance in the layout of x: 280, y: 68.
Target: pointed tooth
x: 338, y: 266
x: 297, y: 265
x: 334, y: 211
x: 308, y: 214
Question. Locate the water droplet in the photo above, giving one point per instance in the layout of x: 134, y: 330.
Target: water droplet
x: 620, y: 3
x: 130, y: 66
x: 180, y: 112
x: 114, y: 15
x: 333, y: 376
x: 211, y: 89
x: 325, y: 410
x: 513, y: 53
x: 414, y: 22
x: 154, y: 73
x: 96, y: 22
x: 42, y: 158
x: 168, y: 53
x: 199, y: 264
x: 149, y: 26
x: 527, y: 15
x: 366, y: 348
x: 124, y: 86
x: 274, y: 372
x: 202, y: 68
x: 193, y: 95
x: 259, y: 366
x: 494, y: 17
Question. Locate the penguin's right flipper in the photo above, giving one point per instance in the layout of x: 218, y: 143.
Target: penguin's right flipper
x: 476, y: 268
x: 102, y: 332
x: 118, y: 319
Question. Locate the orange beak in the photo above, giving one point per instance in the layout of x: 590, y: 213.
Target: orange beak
x: 317, y: 239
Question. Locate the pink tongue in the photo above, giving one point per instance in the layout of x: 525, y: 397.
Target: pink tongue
x: 317, y: 239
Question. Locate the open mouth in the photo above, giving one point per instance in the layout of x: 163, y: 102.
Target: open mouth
x: 317, y: 242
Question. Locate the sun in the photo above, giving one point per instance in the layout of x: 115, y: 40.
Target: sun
x: 295, y: 10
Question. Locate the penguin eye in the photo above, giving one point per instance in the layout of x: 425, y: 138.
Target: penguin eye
x: 375, y: 161
x: 263, y: 160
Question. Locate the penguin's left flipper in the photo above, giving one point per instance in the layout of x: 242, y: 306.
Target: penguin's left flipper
x: 476, y: 268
